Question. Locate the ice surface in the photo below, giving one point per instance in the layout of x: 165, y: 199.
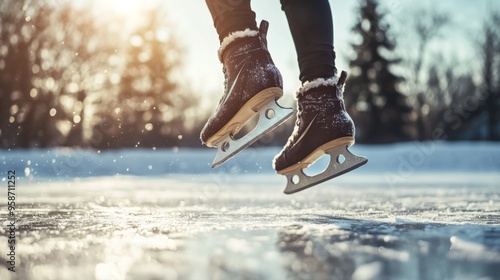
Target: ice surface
x: 171, y: 217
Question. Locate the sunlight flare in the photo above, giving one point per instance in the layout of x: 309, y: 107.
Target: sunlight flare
x: 127, y: 7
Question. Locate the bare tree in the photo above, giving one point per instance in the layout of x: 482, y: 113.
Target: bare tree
x: 149, y: 110
x: 427, y: 26
x: 22, y: 27
x: 490, y: 49
x: 49, y: 57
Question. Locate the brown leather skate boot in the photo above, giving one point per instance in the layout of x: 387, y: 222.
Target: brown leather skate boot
x: 323, y: 125
x: 252, y: 82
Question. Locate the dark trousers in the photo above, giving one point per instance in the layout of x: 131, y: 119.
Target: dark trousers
x: 310, y: 23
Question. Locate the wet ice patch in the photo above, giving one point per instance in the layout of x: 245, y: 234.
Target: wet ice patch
x: 235, y: 254
x: 369, y: 271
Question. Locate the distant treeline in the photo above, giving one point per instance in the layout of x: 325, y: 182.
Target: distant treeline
x: 430, y: 99
x: 71, y: 78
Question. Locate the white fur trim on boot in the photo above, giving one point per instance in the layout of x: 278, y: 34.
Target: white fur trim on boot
x: 233, y: 37
x: 317, y: 83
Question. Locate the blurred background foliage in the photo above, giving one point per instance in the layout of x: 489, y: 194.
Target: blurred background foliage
x: 71, y: 78
x: 428, y: 98
x: 68, y: 78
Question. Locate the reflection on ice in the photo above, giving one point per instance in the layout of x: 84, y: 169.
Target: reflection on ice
x: 170, y: 228
x: 365, y: 251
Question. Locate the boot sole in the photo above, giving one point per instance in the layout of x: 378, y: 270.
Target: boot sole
x: 316, y: 154
x: 246, y: 113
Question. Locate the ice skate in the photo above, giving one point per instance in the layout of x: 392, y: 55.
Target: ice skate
x: 253, y: 84
x: 323, y: 127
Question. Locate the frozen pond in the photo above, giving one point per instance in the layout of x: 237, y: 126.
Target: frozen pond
x: 398, y: 218
x: 180, y: 227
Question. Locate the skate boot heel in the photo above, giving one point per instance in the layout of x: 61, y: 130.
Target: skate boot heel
x: 317, y: 153
x: 245, y: 114
x: 270, y: 115
x: 264, y: 97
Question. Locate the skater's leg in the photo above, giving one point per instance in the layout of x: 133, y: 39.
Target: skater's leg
x: 311, y: 26
x: 252, y: 81
x: 323, y: 124
x: 231, y: 15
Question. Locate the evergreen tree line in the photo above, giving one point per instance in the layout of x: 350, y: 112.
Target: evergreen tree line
x: 428, y: 101
x: 68, y: 78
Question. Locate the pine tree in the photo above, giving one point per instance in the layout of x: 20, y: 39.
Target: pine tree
x: 380, y: 111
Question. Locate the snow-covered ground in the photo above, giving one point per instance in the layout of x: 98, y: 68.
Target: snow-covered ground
x: 414, y: 211
x: 397, y: 161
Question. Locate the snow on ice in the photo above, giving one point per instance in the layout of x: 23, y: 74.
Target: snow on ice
x: 396, y: 162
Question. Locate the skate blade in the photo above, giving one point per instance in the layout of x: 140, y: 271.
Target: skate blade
x: 341, y: 162
x: 271, y: 115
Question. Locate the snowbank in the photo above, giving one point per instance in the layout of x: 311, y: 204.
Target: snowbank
x: 393, y: 161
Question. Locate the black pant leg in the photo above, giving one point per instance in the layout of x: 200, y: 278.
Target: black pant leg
x: 311, y: 25
x: 231, y: 15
